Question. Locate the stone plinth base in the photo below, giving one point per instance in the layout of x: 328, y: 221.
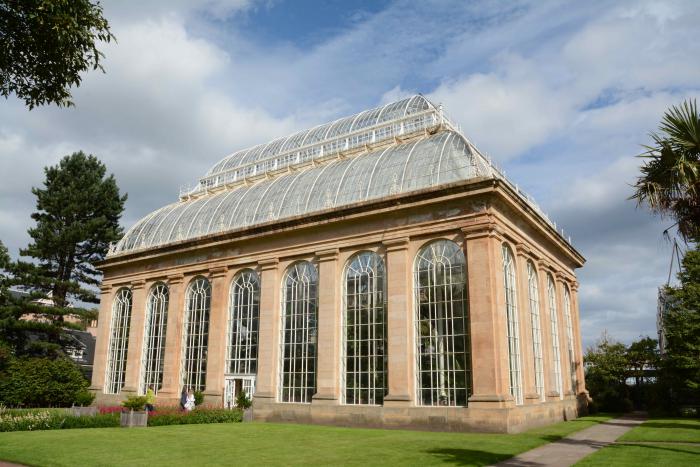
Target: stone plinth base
x: 492, y: 420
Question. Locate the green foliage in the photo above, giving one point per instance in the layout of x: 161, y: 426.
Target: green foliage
x: 681, y: 363
x: 84, y: 398
x: 195, y: 417
x: 198, y: 398
x: 46, y: 45
x: 243, y: 401
x: 41, y: 382
x: 52, y: 420
x: 609, y: 366
x: 78, y: 212
x: 134, y: 402
x: 670, y: 180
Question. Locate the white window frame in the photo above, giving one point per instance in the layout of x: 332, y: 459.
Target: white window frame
x: 195, y: 334
x: 118, y: 341
x: 156, y: 322
x: 536, y: 327
x: 515, y: 376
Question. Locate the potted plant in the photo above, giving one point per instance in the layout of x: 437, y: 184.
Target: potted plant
x: 82, y: 404
x: 244, y: 403
x: 133, y: 413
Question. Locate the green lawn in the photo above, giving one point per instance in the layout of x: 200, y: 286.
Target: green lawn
x: 654, y: 451
x: 666, y: 429
x: 635, y: 455
x: 270, y: 444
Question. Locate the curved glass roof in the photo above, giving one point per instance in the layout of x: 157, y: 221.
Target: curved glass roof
x: 325, y: 132
x: 401, y: 168
x: 398, y: 148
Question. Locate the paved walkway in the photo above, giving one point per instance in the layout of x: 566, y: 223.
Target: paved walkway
x: 567, y: 451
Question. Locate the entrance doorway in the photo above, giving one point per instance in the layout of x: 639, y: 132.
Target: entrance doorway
x: 234, y: 385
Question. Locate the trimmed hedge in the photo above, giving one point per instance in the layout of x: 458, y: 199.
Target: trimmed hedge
x: 196, y: 416
x: 42, y: 382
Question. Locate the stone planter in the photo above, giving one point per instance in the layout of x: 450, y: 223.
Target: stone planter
x: 133, y: 419
x: 83, y: 411
x: 248, y: 415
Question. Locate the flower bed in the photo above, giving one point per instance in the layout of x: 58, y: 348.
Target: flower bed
x: 58, y: 419
x: 53, y: 420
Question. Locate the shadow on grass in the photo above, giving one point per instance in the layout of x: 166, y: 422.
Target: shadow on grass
x: 679, y: 424
x: 659, y: 446
x: 467, y: 456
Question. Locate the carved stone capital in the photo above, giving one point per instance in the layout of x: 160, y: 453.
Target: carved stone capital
x: 217, y: 272
x: 175, y: 279
x: 138, y: 284
x: 396, y: 244
x: 268, y: 264
x: 327, y: 255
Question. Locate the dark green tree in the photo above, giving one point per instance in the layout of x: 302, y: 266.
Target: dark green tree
x: 78, y: 212
x: 46, y: 45
x: 681, y: 360
x: 606, y: 374
x: 670, y: 180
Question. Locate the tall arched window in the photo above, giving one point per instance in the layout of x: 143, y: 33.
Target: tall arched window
x: 442, y: 335
x: 299, y: 333
x: 554, y: 330
x: 154, y: 338
x: 118, y: 341
x: 364, y: 330
x: 570, y: 338
x: 195, y: 334
x: 513, y: 325
x: 533, y: 293
x: 243, y: 312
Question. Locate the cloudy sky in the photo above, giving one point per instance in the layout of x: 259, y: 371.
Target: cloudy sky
x: 560, y: 94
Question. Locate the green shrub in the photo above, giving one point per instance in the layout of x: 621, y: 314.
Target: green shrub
x: 243, y: 401
x: 41, y: 382
x: 198, y: 397
x: 197, y: 416
x: 84, y: 398
x: 135, y: 402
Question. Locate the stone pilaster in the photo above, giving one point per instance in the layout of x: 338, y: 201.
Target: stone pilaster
x: 173, y: 339
x: 104, y: 322
x: 329, y: 326
x: 401, y: 365
x: 136, y: 333
x: 487, y: 317
x: 578, y: 346
x: 268, y: 331
x: 216, y: 346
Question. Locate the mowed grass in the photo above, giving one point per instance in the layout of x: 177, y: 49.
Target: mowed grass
x: 635, y: 455
x: 271, y: 444
x: 658, y: 436
x: 666, y: 429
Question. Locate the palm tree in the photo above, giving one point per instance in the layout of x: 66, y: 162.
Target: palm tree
x: 670, y: 179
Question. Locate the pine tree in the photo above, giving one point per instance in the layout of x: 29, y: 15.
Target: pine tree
x: 78, y: 212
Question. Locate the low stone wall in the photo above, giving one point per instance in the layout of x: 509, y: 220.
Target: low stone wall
x: 458, y: 419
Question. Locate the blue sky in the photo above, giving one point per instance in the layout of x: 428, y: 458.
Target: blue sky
x: 560, y: 94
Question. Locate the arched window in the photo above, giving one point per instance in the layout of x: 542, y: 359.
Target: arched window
x: 570, y: 338
x: 513, y: 325
x: 442, y: 334
x: 364, y: 330
x: 195, y: 334
x: 299, y: 333
x: 154, y: 338
x: 243, y: 313
x: 118, y: 341
x: 534, y: 300
x: 554, y: 322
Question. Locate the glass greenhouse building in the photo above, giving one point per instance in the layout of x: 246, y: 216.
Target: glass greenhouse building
x: 376, y: 270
